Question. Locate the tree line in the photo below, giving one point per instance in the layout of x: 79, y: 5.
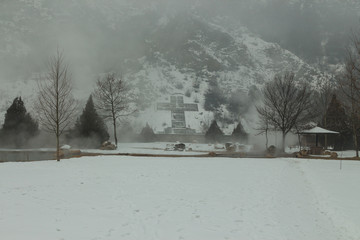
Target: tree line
x: 56, y: 107
x: 287, y: 106
x: 290, y: 106
x: 56, y: 111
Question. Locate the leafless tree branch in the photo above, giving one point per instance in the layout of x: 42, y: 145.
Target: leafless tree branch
x: 350, y: 85
x: 285, y: 105
x: 55, y: 104
x: 113, y: 99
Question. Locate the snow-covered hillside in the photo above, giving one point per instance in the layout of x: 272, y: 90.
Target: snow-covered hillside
x: 160, y: 52
x: 189, y: 198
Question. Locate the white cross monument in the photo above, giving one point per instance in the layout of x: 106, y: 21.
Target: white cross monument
x: 178, y: 108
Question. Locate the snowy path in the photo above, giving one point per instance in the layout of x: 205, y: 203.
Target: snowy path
x: 193, y: 198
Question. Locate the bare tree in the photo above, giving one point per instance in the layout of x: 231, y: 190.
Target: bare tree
x: 113, y: 99
x: 350, y: 85
x: 285, y: 105
x: 55, y: 103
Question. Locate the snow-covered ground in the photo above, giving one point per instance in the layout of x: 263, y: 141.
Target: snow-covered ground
x: 346, y: 154
x: 122, y: 197
x: 153, y: 148
x: 161, y: 148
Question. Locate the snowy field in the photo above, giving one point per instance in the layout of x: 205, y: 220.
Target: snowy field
x: 189, y: 198
x: 160, y: 148
x: 155, y: 148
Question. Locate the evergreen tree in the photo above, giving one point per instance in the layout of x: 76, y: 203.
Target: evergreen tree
x: 90, y: 127
x: 239, y: 133
x: 147, y: 134
x: 18, y: 126
x: 337, y: 120
x: 214, y: 133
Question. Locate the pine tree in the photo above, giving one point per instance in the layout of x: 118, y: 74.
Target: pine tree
x: 214, y: 133
x: 147, y: 134
x: 18, y: 125
x: 239, y: 133
x: 337, y: 120
x: 90, y: 127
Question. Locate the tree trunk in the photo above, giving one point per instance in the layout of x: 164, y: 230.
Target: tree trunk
x: 355, y: 140
x: 115, y: 136
x: 326, y: 144
x: 267, y: 139
x: 283, y: 141
x: 57, y: 147
x: 57, y: 121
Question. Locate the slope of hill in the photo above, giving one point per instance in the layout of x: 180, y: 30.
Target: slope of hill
x: 159, y: 53
x: 187, y: 55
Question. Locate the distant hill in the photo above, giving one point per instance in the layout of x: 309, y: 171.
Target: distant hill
x: 160, y: 50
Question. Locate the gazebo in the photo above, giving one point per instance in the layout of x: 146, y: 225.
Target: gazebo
x: 317, y: 131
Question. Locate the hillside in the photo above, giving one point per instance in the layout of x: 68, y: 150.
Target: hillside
x: 160, y: 52
x: 316, y: 30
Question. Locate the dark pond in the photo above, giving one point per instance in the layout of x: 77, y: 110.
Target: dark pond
x: 8, y: 155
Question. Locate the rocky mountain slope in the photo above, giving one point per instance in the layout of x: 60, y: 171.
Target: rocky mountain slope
x: 315, y: 30
x: 159, y: 50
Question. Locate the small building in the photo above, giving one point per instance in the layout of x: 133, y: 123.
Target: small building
x: 314, y: 134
